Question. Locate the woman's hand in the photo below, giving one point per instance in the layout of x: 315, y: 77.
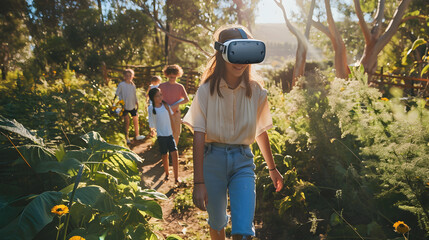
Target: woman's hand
x: 199, y: 196
x: 277, y: 179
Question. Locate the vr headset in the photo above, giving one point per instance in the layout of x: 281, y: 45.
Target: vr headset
x: 242, y: 51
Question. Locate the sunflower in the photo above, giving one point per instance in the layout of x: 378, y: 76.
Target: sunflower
x: 60, y: 209
x: 76, y: 238
x: 401, y: 227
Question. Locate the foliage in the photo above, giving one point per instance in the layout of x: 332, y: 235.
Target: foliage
x: 353, y: 163
x: 71, y: 105
x: 283, y: 77
x: 13, y: 38
x: 108, y: 201
x: 395, y: 136
x: 183, y: 201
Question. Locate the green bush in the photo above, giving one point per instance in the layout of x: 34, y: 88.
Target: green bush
x: 353, y: 163
x: 64, y: 106
x: 108, y: 200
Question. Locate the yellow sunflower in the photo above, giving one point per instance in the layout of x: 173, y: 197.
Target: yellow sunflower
x: 60, y: 209
x: 76, y: 238
x: 401, y: 227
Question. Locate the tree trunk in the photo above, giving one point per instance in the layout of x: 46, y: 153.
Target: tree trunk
x: 340, y: 53
x: 4, y: 60
x: 342, y: 69
x: 374, y: 40
x: 301, y: 51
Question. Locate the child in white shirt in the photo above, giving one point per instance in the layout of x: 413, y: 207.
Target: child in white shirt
x: 160, y: 119
x: 126, y: 91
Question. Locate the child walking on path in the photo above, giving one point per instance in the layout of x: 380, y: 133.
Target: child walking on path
x: 229, y: 112
x: 173, y: 93
x: 126, y: 91
x: 160, y: 119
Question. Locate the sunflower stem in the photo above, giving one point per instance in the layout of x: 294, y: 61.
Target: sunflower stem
x: 78, y: 176
x: 59, y: 227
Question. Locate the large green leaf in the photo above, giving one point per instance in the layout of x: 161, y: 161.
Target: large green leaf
x: 18, y: 128
x: 93, y: 139
x: 98, y: 146
x: 174, y: 237
x: 142, y: 232
x: 36, y: 215
x: 152, y: 194
x: 63, y: 167
x: 424, y: 70
x: 417, y: 43
x: 81, y: 155
x: 95, y: 197
x: 150, y: 207
x: 34, y: 155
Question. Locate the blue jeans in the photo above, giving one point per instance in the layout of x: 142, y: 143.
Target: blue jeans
x: 230, y: 169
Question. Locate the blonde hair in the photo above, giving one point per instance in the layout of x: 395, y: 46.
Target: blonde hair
x: 129, y: 70
x: 174, y: 69
x: 215, y: 69
x: 155, y: 79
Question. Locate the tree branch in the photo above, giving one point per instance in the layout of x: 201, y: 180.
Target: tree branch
x: 393, y: 26
x: 309, y: 19
x: 321, y: 28
x: 362, y: 23
x: 378, y: 20
x: 159, y: 25
x: 420, y: 17
x: 291, y: 28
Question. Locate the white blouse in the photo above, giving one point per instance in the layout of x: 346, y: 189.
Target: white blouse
x: 233, y: 118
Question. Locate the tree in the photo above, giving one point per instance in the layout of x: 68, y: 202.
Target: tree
x: 331, y: 31
x: 14, y: 35
x: 301, y: 52
x: 245, y: 12
x: 196, y: 27
x: 375, y: 39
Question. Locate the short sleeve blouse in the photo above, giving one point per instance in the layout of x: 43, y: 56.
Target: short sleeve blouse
x: 233, y: 118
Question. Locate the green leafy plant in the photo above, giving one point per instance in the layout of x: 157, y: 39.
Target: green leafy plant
x: 108, y: 200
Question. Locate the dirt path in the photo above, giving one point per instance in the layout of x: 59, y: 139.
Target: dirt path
x: 189, y: 223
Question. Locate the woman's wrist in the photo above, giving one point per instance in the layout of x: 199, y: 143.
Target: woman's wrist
x: 272, y: 169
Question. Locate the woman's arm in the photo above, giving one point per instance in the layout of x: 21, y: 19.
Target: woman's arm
x: 200, y: 191
x: 264, y: 144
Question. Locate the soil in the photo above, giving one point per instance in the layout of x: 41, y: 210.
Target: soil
x: 189, y: 224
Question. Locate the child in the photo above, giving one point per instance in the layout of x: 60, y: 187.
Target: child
x: 160, y: 118
x: 154, y: 83
x: 126, y: 91
x: 174, y: 95
x: 229, y: 112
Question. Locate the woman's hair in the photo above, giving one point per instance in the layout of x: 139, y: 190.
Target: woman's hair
x: 175, y: 70
x: 215, y: 68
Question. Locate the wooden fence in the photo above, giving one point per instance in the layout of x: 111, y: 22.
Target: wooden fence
x: 143, y: 74
x: 412, y: 86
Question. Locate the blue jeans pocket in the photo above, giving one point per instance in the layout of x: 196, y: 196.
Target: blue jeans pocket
x: 247, y: 153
